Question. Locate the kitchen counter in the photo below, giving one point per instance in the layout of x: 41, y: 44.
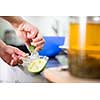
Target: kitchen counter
x: 57, y: 75
x: 19, y: 74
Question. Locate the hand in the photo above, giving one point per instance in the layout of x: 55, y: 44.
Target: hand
x: 30, y: 34
x: 11, y: 55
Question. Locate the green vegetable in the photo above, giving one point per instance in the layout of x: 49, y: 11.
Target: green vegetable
x: 31, y: 48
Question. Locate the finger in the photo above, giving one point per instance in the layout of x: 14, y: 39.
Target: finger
x: 30, y: 37
x: 39, y: 43
x: 19, y: 58
x: 38, y: 38
x: 32, y: 34
x: 16, y: 60
x: 14, y: 57
x: 21, y: 27
x: 19, y: 52
x: 28, y: 43
x: 13, y: 62
x: 24, y: 34
x: 27, y: 28
x: 19, y: 61
x: 39, y: 48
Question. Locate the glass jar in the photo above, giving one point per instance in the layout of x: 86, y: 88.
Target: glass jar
x: 84, y: 46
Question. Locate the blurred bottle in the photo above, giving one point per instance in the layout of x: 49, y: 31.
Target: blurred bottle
x: 84, y: 46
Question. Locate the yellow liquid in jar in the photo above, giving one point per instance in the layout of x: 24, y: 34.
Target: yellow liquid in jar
x: 84, y: 51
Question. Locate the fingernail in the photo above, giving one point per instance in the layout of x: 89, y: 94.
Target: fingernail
x: 11, y: 63
x: 32, y: 43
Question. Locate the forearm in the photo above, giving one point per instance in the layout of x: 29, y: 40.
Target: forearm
x: 14, y: 20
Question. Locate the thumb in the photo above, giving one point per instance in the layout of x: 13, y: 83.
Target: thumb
x: 19, y: 52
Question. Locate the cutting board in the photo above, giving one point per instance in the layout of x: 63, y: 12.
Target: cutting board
x: 57, y: 75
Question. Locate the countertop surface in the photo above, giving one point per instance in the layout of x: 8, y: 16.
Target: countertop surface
x: 57, y: 75
x: 19, y: 74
